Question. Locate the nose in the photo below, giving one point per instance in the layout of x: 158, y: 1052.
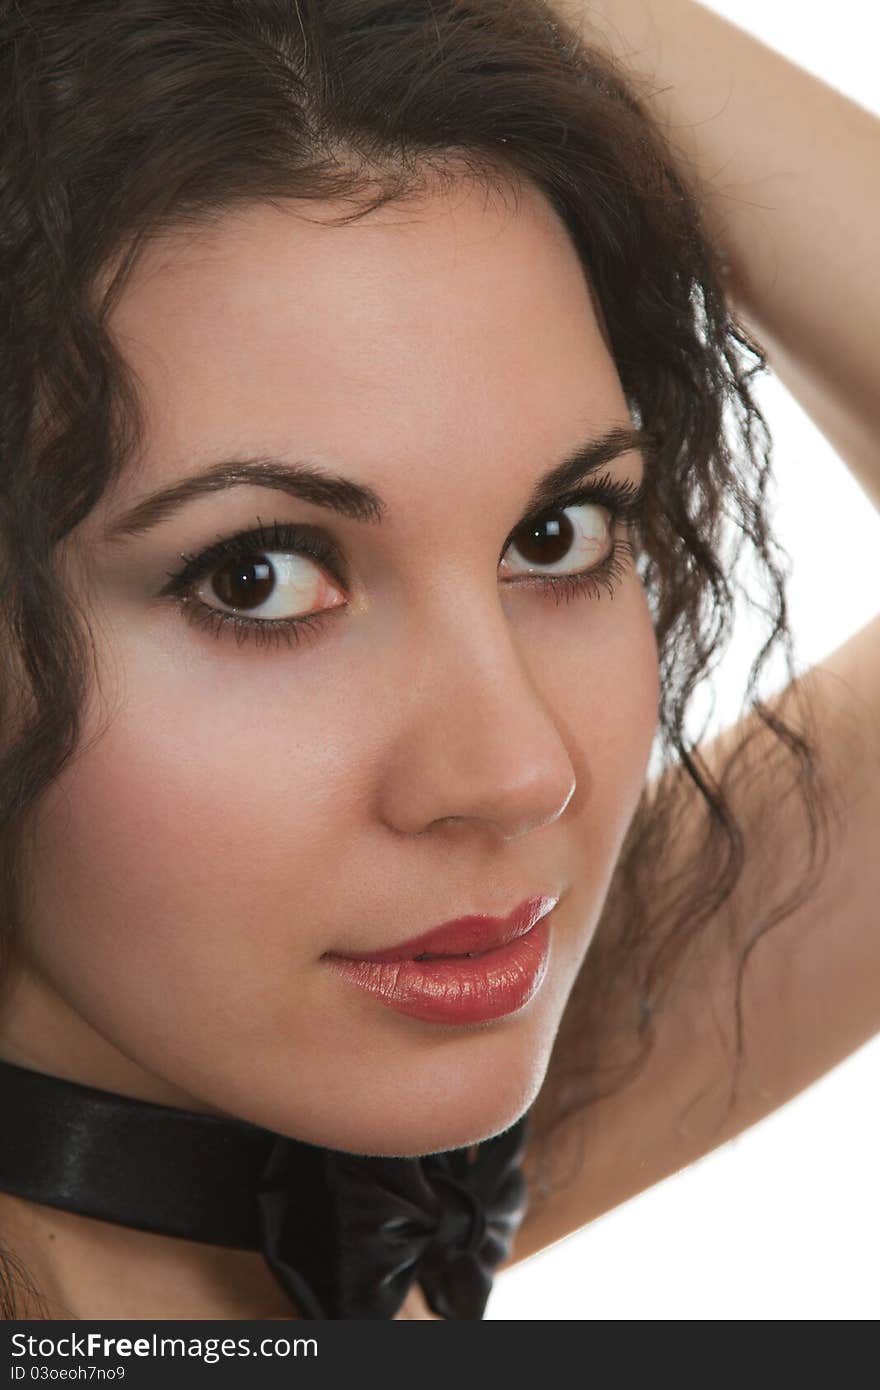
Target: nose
x: 477, y: 742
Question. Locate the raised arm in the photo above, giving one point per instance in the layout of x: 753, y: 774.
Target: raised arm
x: 789, y: 175
x: 788, y: 172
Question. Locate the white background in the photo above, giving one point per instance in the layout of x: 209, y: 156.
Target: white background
x: 784, y: 1221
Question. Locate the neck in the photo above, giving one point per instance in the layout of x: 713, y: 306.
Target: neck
x: 85, y: 1268
x: 119, y: 1209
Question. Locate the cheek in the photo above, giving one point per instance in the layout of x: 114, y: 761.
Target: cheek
x: 607, y: 711
x: 175, y: 868
x: 630, y: 696
x: 201, y: 822
x: 192, y: 865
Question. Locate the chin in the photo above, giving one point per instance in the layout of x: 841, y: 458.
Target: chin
x: 466, y: 1110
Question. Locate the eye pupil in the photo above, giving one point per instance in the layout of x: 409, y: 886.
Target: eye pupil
x: 244, y: 584
x: 546, y: 540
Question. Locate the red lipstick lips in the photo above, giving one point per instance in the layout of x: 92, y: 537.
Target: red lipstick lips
x: 466, y: 971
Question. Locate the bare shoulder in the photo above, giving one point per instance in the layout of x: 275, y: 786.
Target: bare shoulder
x: 811, y: 986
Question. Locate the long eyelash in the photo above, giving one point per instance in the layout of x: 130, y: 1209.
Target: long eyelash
x: 622, y: 497
x: 265, y: 632
x: 280, y: 535
x: 606, y: 576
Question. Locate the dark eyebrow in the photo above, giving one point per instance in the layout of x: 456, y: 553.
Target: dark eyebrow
x: 585, y: 459
x: 354, y: 500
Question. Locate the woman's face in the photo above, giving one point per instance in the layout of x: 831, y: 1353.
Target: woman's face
x: 454, y: 736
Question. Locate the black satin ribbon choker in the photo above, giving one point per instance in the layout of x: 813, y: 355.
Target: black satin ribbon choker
x: 346, y: 1236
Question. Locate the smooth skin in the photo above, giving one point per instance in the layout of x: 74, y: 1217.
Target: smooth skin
x: 789, y: 173
x: 453, y: 740
x: 502, y: 671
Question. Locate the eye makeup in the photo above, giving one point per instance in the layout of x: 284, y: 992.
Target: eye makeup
x: 248, y: 551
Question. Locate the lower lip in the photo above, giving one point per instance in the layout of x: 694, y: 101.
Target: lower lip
x: 457, y: 989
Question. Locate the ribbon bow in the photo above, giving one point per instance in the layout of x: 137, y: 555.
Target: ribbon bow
x: 347, y: 1235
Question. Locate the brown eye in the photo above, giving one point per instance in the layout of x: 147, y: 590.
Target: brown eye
x: 547, y: 540
x: 245, y: 583
x: 555, y: 539
x: 275, y: 584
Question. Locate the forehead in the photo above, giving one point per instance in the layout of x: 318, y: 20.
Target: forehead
x: 431, y: 328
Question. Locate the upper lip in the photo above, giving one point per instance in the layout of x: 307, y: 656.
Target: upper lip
x: 467, y: 935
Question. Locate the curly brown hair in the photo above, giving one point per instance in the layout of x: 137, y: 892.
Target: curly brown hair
x: 126, y: 118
